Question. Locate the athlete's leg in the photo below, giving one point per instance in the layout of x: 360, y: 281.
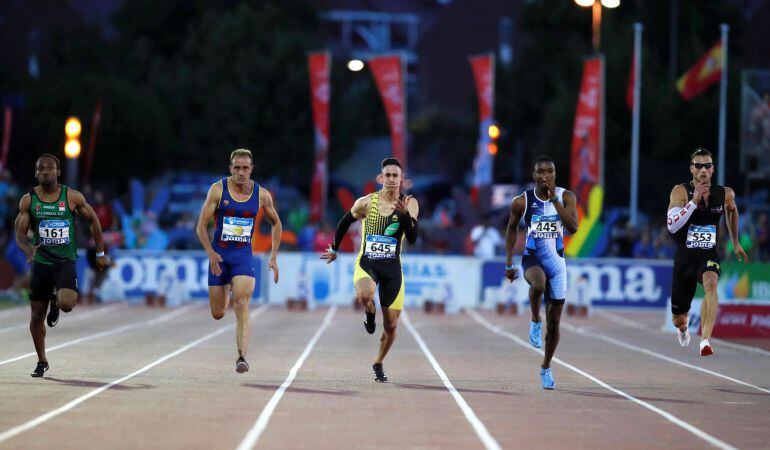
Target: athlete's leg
x: 535, y: 277
x: 708, y: 307
x: 218, y: 300
x: 37, y: 327
x: 389, y: 323
x: 66, y: 299
x: 365, y: 287
x: 553, y: 311
x: 243, y: 288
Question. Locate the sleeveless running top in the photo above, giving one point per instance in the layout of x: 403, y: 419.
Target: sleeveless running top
x: 381, y: 235
x: 700, y: 232
x: 235, y: 220
x: 53, y: 228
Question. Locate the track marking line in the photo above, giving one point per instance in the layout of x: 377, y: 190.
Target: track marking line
x: 8, y: 434
x: 638, y: 326
x: 130, y: 326
x: 251, y: 438
x: 484, y: 435
x: 619, y: 343
x: 80, y: 316
x: 697, y: 432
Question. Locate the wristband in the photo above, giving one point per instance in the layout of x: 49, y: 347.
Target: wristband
x: 99, y: 254
x: 332, y: 251
x: 511, y: 267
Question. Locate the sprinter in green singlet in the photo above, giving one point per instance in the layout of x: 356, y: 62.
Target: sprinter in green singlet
x: 48, y: 211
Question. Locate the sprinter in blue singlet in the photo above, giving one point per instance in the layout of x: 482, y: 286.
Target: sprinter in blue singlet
x: 547, y: 211
x: 233, y: 203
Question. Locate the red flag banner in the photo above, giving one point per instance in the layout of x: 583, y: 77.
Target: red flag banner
x: 707, y: 71
x: 319, y: 64
x: 389, y: 76
x: 483, y: 67
x: 631, y: 82
x: 7, y: 126
x: 585, y: 161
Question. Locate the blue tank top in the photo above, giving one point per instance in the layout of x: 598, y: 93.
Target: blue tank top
x: 235, y: 221
x: 545, y: 232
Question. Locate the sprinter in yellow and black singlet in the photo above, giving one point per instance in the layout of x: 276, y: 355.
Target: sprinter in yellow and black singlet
x: 388, y: 217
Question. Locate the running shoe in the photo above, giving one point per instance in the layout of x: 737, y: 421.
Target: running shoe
x: 705, y: 348
x: 379, y: 373
x: 546, y: 377
x: 535, y: 329
x: 241, y: 365
x: 40, y: 369
x: 369, y: 323
x: 684, y: 337
x: 53, y: 312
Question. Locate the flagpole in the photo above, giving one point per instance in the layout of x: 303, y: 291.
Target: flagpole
x: 638, y: 27
x: 721, y: 169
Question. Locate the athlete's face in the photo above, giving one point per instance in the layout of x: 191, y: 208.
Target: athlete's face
x: 544, y: 174
x: 390, y: 177
x: 46, y: 172
x: 240, y: 169
x: 702, y: 168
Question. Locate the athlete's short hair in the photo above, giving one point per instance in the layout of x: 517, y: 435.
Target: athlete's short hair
x: 542, y: 158
x: 241, y: 152
x: 392, y: 162
x: 700, y: 151
x: 48, y: 155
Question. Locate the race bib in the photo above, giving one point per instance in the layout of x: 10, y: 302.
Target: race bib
x: 545, y: 227
x: 380, y: 247
x: 702, y: 236
x: 54, y: 232
x: 236, y: 229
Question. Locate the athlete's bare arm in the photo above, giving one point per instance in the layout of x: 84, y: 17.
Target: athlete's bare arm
x: 678, y: 197
x: 266, y: 201
x: 517, y: 210
x: 568, y: 211
x: 357, y: 212
x: 731, y: 216
x: 201, y: 230
x: 85, y: 211
x: 23, y: 221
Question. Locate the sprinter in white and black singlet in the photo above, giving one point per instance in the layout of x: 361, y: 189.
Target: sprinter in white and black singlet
x: 694, y: 212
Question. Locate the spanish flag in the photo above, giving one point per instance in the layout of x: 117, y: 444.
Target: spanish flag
x: 703, y: 74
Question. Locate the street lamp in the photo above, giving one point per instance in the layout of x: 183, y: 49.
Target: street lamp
x: 596, y: 6
x: 72, y: 130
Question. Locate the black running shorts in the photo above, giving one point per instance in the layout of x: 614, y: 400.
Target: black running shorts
x: 389, y: 278
x: 45, y: 277
x: 688, y: 272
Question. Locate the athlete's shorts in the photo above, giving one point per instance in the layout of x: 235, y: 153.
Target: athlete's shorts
x: 233, y: 266
x: 389, y: 279
x: 688, y: 272
x: 46, y: 277
x: 555, y: 269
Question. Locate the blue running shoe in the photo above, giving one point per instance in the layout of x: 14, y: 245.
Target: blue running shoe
x: 546, y: 377
x: 534, y: 333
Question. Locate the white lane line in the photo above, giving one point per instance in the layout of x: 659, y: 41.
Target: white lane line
x: 130, y: 326
x: 626, y: 345
x: 638, y: 326
x: 668, y: 416
x: 67, y: 407
x: 78, y: 316
x: 481, y: 431
x: 251, y: 438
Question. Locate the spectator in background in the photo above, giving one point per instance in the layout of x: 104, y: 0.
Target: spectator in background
x: 763, y: 237
x: 622, y: 240
x: 103, y: 211
x: 664, y: 245
x: 643, y: 247
x: 485, y: 239
x: 322, y: 238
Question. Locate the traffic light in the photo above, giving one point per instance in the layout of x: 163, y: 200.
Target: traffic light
x: 72, y: 129
x: 493, y: 132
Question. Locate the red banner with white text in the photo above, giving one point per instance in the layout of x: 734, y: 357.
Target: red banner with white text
x: 483, y: 67
x: 320, y: 90
x: 388, y: 74
x: 586, y: 156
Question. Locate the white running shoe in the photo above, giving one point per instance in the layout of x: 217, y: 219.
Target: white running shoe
x: 705, y: 348
x: 684, y: 337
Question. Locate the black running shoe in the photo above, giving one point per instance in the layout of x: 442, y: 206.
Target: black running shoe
x: 53, y: 313
x: 40, y: 369
x: 379, y: 373
x: 369, y: 322
x: 241, y: 365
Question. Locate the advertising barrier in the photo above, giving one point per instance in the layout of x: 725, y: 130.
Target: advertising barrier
x: 624, y: 283
x: 452, y: 280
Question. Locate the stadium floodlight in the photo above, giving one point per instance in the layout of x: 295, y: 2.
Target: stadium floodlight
x: 494, y: 131
x: 611, y: 3
x: 355, y: 65
x: 585, y: 3
x: 72, y: 149
x: 72, y: 130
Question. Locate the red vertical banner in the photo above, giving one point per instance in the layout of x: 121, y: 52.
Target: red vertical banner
x: 7, y: 126
x: 319, y: 65
x: 483, y: 67
x: 388, y: 74
x: 587, y: 158
x: 97, y: 119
